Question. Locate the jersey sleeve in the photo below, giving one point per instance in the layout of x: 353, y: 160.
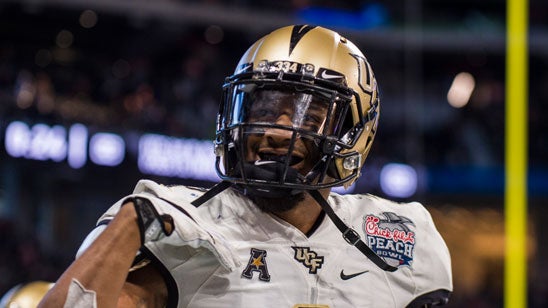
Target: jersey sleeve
x: 144, y: 188
x: 192, y: 234
x: 432, y: 264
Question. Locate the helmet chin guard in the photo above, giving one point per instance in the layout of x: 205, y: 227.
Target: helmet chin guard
x: 270, y: 171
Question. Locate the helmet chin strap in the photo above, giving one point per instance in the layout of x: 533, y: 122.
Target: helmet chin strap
x: 212, y: 192
x: 274, y: 170
x: 350, y: 235
x: 266, y: 170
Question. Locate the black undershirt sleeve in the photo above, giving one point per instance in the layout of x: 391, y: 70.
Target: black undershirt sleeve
x: 431, y: 299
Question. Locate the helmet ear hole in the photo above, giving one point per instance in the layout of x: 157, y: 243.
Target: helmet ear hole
x: 348, y: 123
x: 332, y: 170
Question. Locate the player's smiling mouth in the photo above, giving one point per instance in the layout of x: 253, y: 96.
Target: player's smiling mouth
x: 293, y: 159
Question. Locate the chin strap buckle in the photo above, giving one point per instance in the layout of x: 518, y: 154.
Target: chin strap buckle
x: 351, y: 236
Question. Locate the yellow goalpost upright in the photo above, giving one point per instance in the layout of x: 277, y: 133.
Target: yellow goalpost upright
x: 516, y: 136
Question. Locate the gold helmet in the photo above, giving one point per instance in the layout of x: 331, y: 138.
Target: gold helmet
x: 307, y: 60
x: 25, y: 295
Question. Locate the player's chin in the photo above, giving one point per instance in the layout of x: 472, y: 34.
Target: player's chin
x: 278, y: 205
x: 304, y: 167
x: 301, y: 167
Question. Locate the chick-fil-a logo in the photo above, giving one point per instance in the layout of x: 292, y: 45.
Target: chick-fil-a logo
x: 390, y: 237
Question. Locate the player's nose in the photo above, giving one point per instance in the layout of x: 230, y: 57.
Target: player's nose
x: 280, y: 136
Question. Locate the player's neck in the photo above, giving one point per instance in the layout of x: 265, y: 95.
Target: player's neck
x: 304, y: 215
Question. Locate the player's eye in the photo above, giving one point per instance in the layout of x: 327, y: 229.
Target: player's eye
x: 312, y: 122
x: 261, y: 114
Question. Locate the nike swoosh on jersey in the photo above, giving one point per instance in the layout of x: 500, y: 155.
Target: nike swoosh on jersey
x: 346, y: 277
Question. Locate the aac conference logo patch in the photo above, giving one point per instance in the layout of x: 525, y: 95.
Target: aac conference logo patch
x: 390, y: 237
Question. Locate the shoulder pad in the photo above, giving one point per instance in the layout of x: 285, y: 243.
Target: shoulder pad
x: 176, y: 193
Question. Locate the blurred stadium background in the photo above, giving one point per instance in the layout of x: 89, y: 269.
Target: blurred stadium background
x: 95, y: 95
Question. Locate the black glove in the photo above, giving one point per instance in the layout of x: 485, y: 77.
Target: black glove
x: 152, y: 226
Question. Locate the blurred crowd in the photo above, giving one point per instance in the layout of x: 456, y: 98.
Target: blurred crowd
x: 22, y: 258
x: 176, y: 94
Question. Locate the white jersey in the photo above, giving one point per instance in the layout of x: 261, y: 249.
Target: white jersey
x: 282, y: 267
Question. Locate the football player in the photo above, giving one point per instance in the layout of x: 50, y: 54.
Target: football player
x: 297, y: 117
